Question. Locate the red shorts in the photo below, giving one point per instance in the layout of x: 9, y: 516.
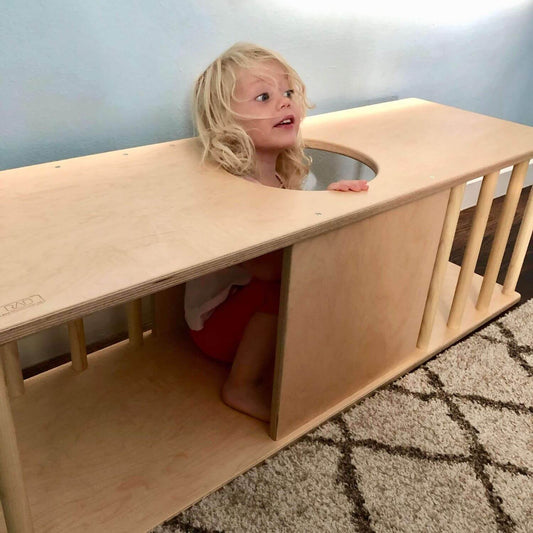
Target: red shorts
x: 223, y: 330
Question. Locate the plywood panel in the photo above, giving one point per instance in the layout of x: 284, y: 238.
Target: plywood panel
x: 354, y: 306
x: 145, y: 219
x: 442, y: 338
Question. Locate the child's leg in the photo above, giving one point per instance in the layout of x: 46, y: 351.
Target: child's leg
x: 243, y: 331
x: 249, y: 385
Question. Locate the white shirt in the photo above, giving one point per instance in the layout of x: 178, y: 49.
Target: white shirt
x: 204, y: 294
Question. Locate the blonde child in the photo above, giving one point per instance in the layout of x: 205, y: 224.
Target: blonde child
x: 248, y: 106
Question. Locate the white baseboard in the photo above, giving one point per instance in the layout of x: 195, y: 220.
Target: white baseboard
x: 474, y: 186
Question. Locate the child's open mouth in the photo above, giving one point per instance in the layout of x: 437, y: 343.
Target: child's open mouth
x: 286, y: 122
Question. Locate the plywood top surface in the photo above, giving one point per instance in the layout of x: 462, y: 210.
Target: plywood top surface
x: 82, y: 234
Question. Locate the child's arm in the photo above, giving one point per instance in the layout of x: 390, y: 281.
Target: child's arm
x: 348, y: 185
x: 266, y: 267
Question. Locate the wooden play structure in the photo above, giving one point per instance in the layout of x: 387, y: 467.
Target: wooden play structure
x: 125, y: 438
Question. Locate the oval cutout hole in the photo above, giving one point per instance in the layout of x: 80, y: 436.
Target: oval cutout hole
x: 328, y: 167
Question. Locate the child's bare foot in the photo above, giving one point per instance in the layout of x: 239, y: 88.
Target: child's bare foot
x: 252, y: 399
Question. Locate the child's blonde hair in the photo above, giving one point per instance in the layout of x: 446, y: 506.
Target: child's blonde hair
x: 225, y: 142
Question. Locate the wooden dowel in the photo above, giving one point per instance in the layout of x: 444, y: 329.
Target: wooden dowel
x: 78, y: 350
x: 12, y: 492
x: 473, y: 247
x: 441, y: 263
x: 135, y: 322
x: 9, y: 354
x: 502, y: 235
x: 520, y: 248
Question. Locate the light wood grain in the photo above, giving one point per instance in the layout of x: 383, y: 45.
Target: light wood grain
x: 355, y: 302
x: 78, y: 349
x: 502, y: 234
x: 473, y: 246
x: 441, y: 264
x: 17, y: 515
x: 9, y: 356
x: 130, y: 236
x: 520, y: 248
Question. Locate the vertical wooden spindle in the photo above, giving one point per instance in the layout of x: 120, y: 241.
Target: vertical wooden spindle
x: 9, y: 355
x: 502, y: 234
x: 441, y: 263
x: 135, y: 322
x: 520, y: 248
x: 473, y: 247
x: 13, y: 494
x: 78, y: 350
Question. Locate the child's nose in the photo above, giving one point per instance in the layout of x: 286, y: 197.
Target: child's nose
x: 285, y: 102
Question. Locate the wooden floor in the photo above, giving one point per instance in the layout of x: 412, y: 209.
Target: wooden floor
x: 524, y: 287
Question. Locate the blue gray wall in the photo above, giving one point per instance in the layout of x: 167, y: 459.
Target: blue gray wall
x: 80, y: 77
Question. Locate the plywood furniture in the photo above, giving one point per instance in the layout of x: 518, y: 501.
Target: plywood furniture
x: 123, y: 439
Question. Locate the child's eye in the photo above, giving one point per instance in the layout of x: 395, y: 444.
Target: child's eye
x: 262, y: 97
x: 289, y: 93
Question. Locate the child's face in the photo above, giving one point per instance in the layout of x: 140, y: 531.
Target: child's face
x: 264, y: 94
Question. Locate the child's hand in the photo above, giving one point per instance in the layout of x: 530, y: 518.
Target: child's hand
x: 348, y: 185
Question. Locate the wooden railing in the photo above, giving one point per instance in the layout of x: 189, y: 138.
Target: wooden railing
x: 473, y: 247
